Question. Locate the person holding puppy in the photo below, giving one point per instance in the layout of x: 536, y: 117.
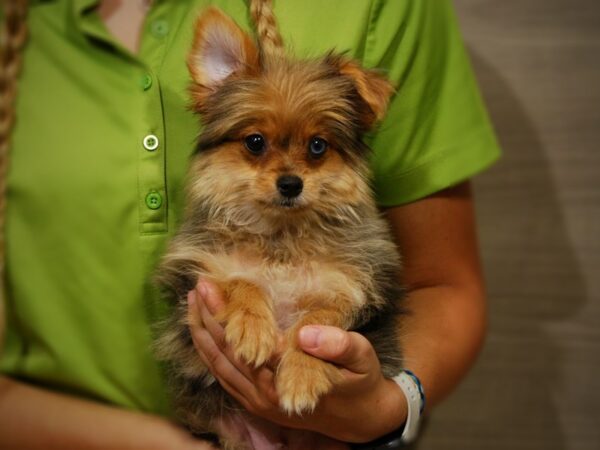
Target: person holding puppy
x: 76, y: 359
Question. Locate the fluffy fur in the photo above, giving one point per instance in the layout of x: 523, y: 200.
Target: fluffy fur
x: 323, y: 257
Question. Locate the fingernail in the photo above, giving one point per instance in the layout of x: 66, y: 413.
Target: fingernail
x: 191, y: 298
x: 202, y: 289
x: 209, y: 299
x: 310, y: 337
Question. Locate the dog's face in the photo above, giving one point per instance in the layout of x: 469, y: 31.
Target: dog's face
x: 281, y: 138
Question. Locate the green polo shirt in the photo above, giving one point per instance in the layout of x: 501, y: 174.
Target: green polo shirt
x: 101, y: 147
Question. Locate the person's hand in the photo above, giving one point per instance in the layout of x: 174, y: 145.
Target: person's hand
x: 362, y: 407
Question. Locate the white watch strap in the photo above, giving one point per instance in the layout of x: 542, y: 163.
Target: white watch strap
x: 414, y: 400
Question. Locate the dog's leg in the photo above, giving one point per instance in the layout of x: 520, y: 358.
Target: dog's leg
x: 250, y: 327
x: 302, y: 379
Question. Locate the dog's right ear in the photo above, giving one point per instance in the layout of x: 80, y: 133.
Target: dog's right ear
x: 220, y: 49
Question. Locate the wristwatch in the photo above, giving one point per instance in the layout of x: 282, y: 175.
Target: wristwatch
x: 407, y: 433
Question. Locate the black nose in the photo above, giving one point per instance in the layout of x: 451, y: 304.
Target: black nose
x: 289, y: 186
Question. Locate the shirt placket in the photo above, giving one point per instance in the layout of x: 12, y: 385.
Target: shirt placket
x: 152, y: 143
x: 151, y: 149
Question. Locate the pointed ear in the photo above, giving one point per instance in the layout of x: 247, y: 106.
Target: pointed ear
x: 374, y: 89
x: 220, y: 48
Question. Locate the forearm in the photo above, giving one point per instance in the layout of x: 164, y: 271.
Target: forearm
x: 33, y: 418
x: 442, y: 335
x: 446, y: 321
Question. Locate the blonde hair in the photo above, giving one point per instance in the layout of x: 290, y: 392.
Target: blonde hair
x: 266, y: 26
x: 12, y: 39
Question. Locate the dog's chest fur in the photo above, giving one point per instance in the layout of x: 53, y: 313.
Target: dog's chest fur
x: 286, y: 283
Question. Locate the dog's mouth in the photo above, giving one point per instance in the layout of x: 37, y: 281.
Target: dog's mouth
x: 280, y: 205
x: 287, y: 204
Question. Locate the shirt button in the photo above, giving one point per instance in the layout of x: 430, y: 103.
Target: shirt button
x: 159, y: 28
x: 150, y: 142
x: 146, y: 82
x: 153, y: 200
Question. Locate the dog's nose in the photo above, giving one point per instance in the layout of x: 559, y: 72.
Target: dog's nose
x: 289, y: 186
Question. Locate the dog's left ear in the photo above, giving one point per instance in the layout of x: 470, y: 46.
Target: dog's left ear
x: 373, y: 88
x: 220, y: 49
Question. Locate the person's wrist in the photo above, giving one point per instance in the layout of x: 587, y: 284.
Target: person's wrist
x: 391, y: 413
x: 397, y: 409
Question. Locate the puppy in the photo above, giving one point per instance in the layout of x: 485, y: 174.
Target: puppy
x: 280, y: 216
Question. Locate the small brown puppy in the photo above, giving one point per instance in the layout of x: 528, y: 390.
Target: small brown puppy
x: 281, y: 217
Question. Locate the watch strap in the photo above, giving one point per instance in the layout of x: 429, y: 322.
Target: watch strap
x: 407, y: 433
x: 415, y: 398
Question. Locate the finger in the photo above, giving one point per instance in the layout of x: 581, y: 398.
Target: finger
x: 219, y: 365
x: 262, y: 378
x: 257, y: 396
x: 238, y: 378
x: 217, y: 333
x: 265, y: 384
x: 210, y: 302
x: 193, y: 317
x: 345, y: 348
x: 209, y: 341
x: 253, y: 388
x: 209, y: 293
x: 212, y: 296
x: 211, y: 324
x: 194, y: 320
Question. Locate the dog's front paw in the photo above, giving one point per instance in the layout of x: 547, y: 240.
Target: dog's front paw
x: 302, y: 380
x: 253, y: 338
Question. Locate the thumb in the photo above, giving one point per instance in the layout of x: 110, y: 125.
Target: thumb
x: 344, y: 348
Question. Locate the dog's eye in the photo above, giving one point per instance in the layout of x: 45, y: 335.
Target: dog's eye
x: 317, y: 147
x: 255, y: 143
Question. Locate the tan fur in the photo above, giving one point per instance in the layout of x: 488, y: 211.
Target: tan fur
x: 372, y: 86
x: 240, y: 48
x: 325, y: 257
x: 301, y: 378
x: 250, y: 327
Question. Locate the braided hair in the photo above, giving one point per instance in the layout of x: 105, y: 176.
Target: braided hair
x: 267, y: 32
x: 13, y: 34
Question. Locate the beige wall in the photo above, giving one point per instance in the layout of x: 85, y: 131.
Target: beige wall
x: 537, y: 384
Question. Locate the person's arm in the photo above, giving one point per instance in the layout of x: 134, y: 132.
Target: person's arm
x: 440, y: 335
x: 34, y: 418
x: 446, y: 324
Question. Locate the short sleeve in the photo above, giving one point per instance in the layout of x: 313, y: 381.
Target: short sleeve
x: 437, y: 132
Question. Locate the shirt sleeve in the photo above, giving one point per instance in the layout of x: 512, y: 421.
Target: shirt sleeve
x: 437, y: 132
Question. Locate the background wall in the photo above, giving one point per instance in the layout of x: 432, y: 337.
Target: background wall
x: 537, y: 384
